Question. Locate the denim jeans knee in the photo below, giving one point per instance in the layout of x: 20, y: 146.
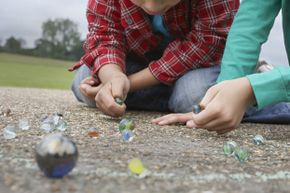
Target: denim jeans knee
x: 191, y: 87
x: 81, y: 73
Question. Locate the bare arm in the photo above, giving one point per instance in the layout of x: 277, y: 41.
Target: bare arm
x: 142, y: 79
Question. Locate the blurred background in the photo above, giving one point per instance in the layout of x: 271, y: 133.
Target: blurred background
x: 39, y: 40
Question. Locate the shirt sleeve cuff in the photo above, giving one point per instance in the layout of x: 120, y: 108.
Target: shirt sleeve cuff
x: 103, y: 60
x: 268, y: 88
x: 160, y: 74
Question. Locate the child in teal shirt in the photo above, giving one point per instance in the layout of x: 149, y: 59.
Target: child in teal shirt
x: 238, y: 85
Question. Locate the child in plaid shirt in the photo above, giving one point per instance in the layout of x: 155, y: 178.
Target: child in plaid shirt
x: 157, y: 54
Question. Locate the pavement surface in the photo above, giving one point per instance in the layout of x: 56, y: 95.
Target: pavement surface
x: 180, y: 159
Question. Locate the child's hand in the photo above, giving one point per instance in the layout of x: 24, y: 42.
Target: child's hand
x: 117, y: 86
x: 173, y: 118
x: 224, y: 106
x: 90, y: 87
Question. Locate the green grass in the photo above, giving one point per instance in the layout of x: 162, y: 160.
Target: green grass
x: 33, y: 72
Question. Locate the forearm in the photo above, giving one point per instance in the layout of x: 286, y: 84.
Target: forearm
x: 141, y: 80
x: 108, y: 71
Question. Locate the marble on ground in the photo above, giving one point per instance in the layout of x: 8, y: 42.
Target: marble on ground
x: 180, y: 159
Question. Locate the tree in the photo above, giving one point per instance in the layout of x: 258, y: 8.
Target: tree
x: 60, y: 37
x: 13, y: 45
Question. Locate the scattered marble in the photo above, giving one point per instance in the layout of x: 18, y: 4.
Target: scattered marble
x: 127, y: 135
x: 56, y: 155
x: 241, y: 154
x: 9, y: 132
x: 23, y: 124
x: 259, y: 140
x: 136, y: 166
x: 119, y: 101
x: 93, y: 132
x: 56, y: 118
x: 229, y: 147
x: 196, y: 109
x: 53, y: 122
x: 47, y: 124
x: 61, y: 125
x: 126, y: 124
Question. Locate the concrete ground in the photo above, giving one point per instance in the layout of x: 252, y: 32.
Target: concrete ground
x: 180, y: 159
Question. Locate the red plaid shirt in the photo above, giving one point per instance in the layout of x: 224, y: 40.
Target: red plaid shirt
x: 117, y: 27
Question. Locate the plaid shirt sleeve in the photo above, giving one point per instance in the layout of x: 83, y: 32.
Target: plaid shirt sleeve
x: 105, y: 42
x: 203, y: 46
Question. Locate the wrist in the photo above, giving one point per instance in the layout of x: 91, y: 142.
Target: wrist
x: 109, y: 71
x: 250, y: 96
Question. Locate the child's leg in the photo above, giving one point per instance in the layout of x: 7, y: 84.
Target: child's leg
x: 153, y: 98
x: 82, y: 73
x: 191, y: 88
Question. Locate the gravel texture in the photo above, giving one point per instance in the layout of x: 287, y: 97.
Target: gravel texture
x: 180, y: 159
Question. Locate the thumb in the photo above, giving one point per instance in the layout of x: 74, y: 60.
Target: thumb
x: 91, y: 91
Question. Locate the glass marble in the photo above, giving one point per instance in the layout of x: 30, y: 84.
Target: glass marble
x: 93, y: 132
x: 241, y: 154
x: 119, y: 101
x: 259, y: 140
x: 47, y: 124
x: 127, y: 135
x: 229, y: 147
x: 23, y: 124
x: 196, y: 109
x: 53, y: 122
x: 61, y: 125
x: 136, y: 166
x: 126, y: 124
x: 9, y: 132
x: 56, y: 119
x: 56, y: 155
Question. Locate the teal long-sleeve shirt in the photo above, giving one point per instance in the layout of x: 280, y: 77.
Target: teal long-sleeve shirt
x: 250, y: 29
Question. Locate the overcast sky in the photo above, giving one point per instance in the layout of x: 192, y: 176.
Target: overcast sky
x: 23, y: 19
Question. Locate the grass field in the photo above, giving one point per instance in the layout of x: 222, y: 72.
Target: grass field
x: 33, y: 72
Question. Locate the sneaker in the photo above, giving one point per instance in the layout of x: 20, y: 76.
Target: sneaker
x: 263, y: 66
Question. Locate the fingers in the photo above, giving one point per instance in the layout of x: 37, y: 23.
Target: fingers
x: 172, y: 119
x: 106, y: 102
x: 190, y: 124
x: 90, y: 81
x: 89, y: 88
x: 89, y: 91
x: 219, y: 126
x: 224, y: 106
x: 220, y: 132
x: 92, y: 92
x: 217, y: 121
x: 205, y: 116
x: 209, y: 96
x: 105, y: 99
x: 211, y: 127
